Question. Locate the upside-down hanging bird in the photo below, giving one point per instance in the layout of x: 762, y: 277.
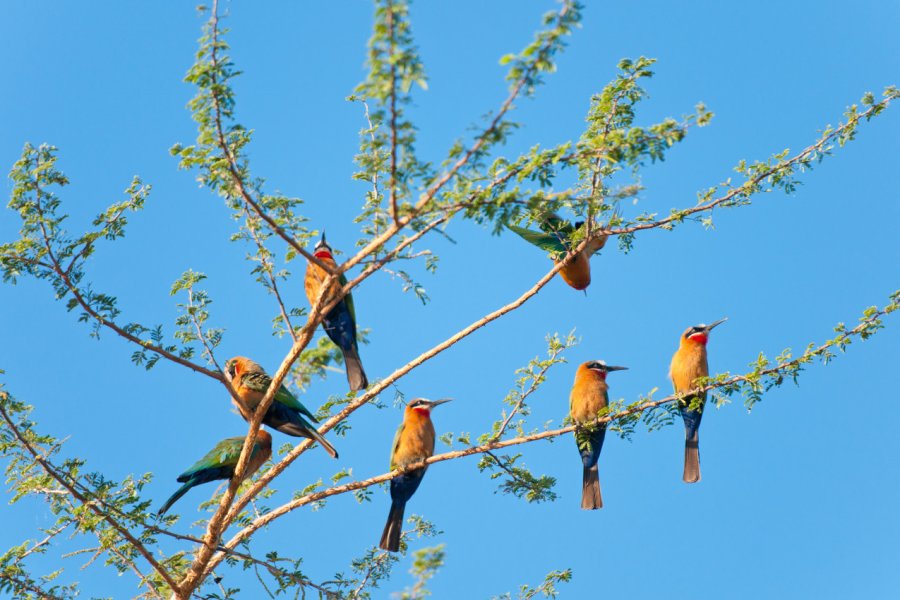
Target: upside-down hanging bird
x: 688, y: 364
x: 556, y: 238
x: 413, y: 442
x: 220, y: 462
x: 286, y: 414
x: 340, y: 322
x: 588, y: 397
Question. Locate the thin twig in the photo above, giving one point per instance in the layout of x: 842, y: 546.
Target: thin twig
x: 547, y: 434
x: 392, y: 45
x: 123, y: 531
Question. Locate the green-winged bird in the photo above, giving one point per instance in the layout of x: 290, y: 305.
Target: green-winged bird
x: 286, y: 414
x: 220, y: 462
x: 556, y: 238
x: 414, y: 442
x: 340, y: 322
x: 589, y: 396
x: 688, y: 365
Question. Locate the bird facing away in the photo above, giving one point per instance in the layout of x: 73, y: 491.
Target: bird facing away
x: 286, y: 414
x: 340, y: 322
x: 589, y: 396
x: 220, y: 462
x: 555, y: 237
x: 413, y: 442
x: 689, y: 364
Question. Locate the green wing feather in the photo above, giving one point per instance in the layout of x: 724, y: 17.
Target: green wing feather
x: 550, y: 242
x: 394, y: 445
x: 553, y: 223
x: 348, y: 299
x: 225, y: 453
x: 260, y: 382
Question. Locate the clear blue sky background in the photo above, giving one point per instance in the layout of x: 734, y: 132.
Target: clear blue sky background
x: 798, y: 498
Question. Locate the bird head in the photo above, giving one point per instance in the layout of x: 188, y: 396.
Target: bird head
x: 601, y: 369
x: 322, y: 249
x: 424, y: 406
x: 263, y: 437
x: 699, y: 334
x: 235, y: 367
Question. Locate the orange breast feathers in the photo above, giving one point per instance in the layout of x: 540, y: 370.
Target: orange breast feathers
x: 316, y: 275
x: 688, y: 364
x: 578, y: 272
x: 250, y: 397
x: 416, y: 439
x: 589, y: 395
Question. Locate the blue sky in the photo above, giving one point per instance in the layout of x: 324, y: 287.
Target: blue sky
x: 797, y: 499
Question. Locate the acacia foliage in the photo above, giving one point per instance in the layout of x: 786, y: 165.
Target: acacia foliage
x: 408, y: 199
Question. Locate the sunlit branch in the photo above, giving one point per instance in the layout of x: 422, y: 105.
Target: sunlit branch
x: 63, y: 481
x: 233, y: 169
x: 865, y: 327
x: 381, y: 385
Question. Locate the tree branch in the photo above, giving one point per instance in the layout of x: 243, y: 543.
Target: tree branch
x: 48, y: 468
x: 865, y: 328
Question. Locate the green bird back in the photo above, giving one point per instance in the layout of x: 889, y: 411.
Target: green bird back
x: 223, y: 454
x: 260, y: 382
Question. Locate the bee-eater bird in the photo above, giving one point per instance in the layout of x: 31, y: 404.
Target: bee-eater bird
x: 689, y: 364
x: 413, y: 442
x: 340, y: 322
x: 220, y: 462
x: 286, y: 414
x: 555, y: 237
x: 589, y: 396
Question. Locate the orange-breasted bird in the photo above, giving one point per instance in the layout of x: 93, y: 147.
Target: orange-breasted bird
x: 220, y: 462
x: 340, y: 322
x: 286, y: 414
x: 589, y: 396
x: 413, y: 442
x: 556, y: 238
x: 689, y: 364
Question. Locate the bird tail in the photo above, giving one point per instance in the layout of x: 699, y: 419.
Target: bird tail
x: 315, y: 435
x: 390, y: 538
x: 174, y: 497
x: 355, y: 374
x: 692, y: 458
x: 590, y: 493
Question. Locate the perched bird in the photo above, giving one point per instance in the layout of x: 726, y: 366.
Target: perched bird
x: 340, y: 322
x: 688, y: 364
x: 413, y: 442
x: 555, y: 237
x: 286, y: 414
x: 588, y: 397
x: 220, y: 462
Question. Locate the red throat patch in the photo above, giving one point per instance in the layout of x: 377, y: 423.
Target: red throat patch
x: 423, y: 410
x: 323, y: 254
x: 700, y: 338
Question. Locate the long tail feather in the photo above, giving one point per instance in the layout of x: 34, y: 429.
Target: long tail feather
x: 315, y: 435
x: 692, y: 459
x: 356, y: 376
x: 390, y: 538
x: 591, y: 499
x: 300, y: 428
x: 174, y: 497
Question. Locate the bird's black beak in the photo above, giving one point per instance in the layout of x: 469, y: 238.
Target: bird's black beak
x: 614, y: 368
x: 441, y: 401
x: 322, y: 241
x: 716, y: 324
